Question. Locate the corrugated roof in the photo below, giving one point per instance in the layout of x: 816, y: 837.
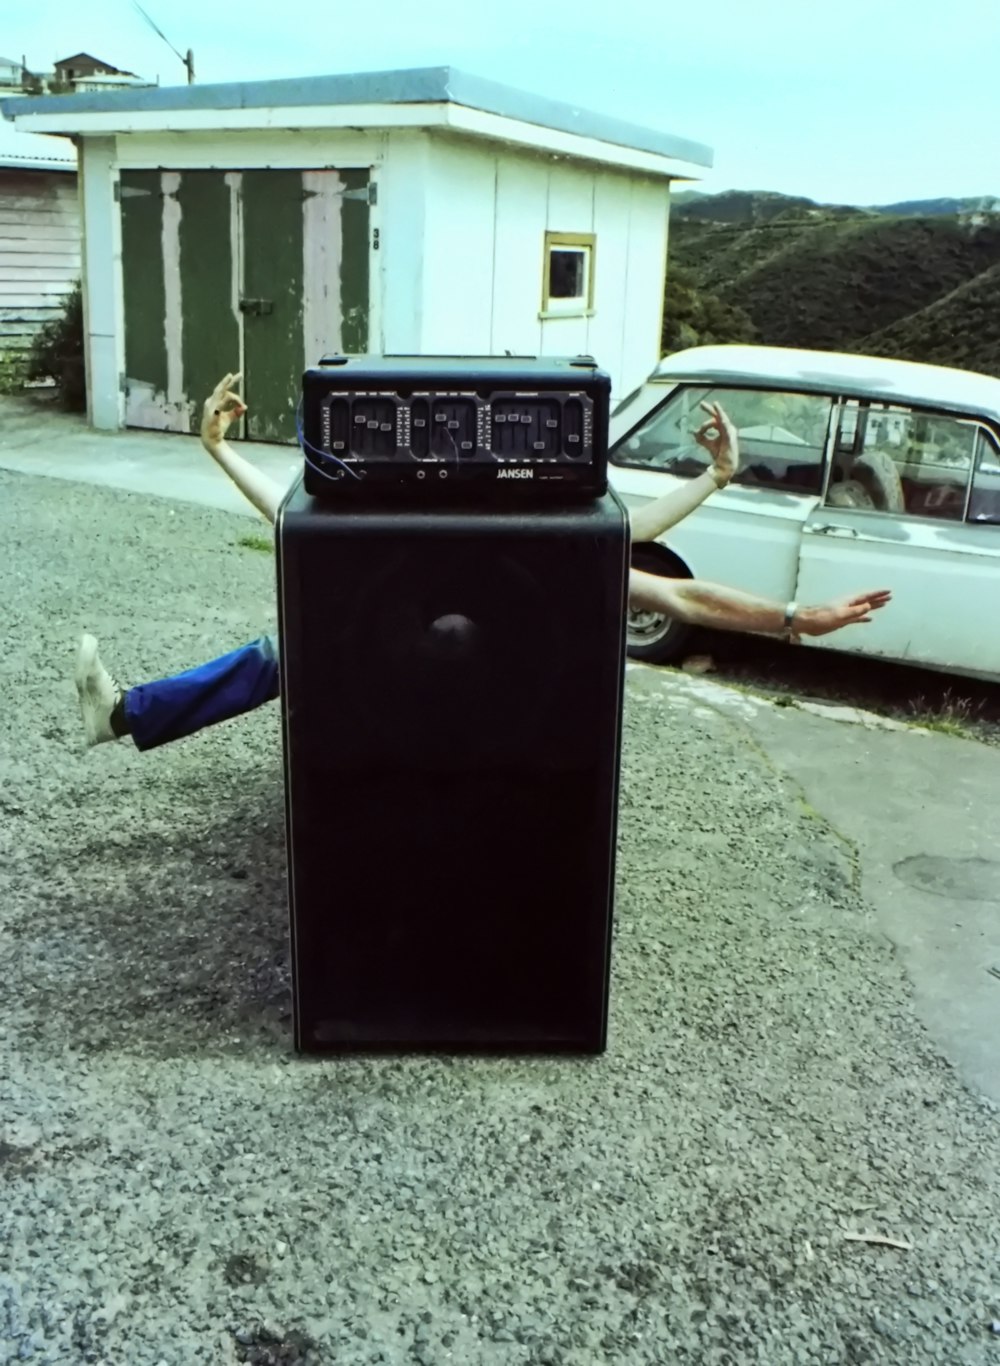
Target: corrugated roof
x: 34, y: 151
x: 423, y: 85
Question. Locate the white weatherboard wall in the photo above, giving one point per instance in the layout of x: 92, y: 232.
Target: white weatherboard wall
x: 399, y: 261
x: 485, y: 215
x: 281, y: 148
x: 457, y: 249
x: 461, y: 231
x: 104, y: 332
x: 39, y: 250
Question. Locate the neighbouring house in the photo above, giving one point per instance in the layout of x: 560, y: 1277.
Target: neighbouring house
x: 11, y: 75
x: 256, y: 226
x: 84, y: 72
x: 39, y: 232
x: 70, y: 74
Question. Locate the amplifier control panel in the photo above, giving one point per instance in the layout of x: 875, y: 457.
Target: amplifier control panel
x: 414, y: 421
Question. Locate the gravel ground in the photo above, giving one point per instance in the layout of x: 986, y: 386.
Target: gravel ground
x: 179, y: 1188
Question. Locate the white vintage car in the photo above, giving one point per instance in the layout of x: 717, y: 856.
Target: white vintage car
x: 855, y: 473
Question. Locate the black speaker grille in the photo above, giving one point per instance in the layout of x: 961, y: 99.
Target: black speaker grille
x: 451, y: 690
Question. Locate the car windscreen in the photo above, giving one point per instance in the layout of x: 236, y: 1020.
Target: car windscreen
x: 782, y: 435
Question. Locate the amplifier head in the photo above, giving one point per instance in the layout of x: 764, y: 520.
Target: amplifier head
x: 503, y: 429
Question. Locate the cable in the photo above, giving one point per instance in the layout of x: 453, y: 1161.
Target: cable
x: 157, y: 30
x: 454, y: 448
x: 307, y: 447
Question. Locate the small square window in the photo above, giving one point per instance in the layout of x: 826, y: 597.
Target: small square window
x: 568, y: 284
x: 567, y: 273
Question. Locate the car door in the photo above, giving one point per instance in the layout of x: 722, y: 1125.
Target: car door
x: 748, y: 534
x: 933, y: 538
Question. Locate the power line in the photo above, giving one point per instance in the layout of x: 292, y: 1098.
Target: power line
x: 156, y: 29
x: 187, y: 59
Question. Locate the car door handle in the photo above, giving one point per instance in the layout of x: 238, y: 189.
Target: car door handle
x: 832, y: 529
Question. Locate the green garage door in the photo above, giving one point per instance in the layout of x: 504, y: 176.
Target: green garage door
x: 260, y: 271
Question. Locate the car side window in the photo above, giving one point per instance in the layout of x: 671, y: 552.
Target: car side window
x: 984, y: 502
x: 902, y: 460
x: 782, y: 437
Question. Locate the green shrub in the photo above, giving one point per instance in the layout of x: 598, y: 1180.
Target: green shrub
x: 57, y: 353
x: 13, y: 371
x: 696, y: 316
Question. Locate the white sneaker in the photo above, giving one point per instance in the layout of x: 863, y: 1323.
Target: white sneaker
x: 99, y: 693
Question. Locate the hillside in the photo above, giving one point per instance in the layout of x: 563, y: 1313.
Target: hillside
x: 742, y: 206
x: 788, y: 272
x: 985, y: 204
x: 960, y: 329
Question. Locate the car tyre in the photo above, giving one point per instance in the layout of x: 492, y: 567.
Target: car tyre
x: 652, y: 637
x: 877, y: 471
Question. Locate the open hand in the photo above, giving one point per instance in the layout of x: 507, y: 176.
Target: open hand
x: 718, y: 436
x: 831, y: 616
x: 222, y: 408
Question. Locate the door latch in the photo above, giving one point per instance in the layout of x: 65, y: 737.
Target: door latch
x: 831, y: 529
x: 259, y: 307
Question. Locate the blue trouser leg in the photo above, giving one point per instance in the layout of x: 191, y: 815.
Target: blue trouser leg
x: 170, y: 708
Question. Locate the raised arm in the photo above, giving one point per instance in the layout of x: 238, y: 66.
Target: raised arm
x: 718, y: 436
x: 727, y: 609
x: 223, y: 407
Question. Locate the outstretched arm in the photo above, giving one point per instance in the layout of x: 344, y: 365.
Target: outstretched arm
x: 727, y: 609
x: 223, y: 407
x: 718, y: 436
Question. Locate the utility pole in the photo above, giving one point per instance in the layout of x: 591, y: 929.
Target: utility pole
x: 189, y: 63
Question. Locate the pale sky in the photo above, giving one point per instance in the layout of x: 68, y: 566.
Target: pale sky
x: 853, y: 101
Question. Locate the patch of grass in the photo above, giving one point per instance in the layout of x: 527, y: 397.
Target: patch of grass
x: 949, y: 728
x: 905, y: 693
x: 13, y: 372
x: 263, y: 543
x: 948, y: 715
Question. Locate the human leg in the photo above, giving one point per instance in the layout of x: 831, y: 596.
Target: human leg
x: 169, y: 708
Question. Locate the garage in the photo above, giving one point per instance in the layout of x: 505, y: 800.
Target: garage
x: 260, y: 269
x: 258, y: 225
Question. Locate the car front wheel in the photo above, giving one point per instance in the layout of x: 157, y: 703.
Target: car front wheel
x: 651, y: 636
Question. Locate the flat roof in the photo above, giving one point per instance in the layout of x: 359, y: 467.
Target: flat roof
x: 874, y: 377
x: 422, y: 85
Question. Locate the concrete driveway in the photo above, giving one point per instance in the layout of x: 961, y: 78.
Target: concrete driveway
x: 37, y: 438
x: 920, y: 812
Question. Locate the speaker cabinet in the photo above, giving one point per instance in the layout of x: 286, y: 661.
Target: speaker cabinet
x: 451, y: 695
